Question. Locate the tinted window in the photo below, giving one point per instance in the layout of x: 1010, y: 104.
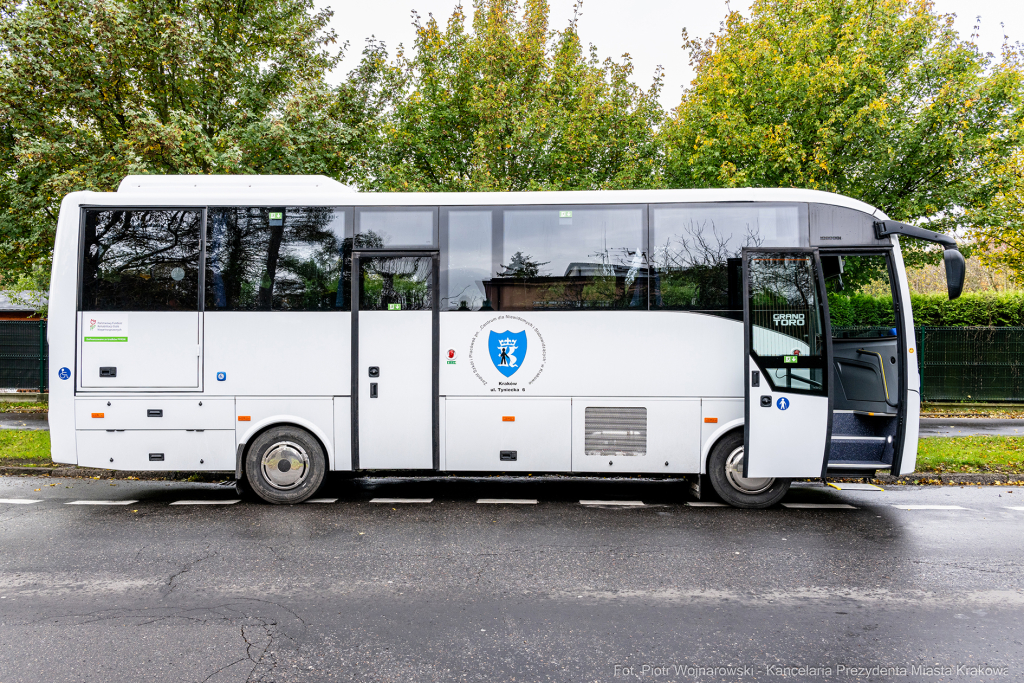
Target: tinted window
x: 396, y: 283
x: 141, y: 260
x: 696, y: 250
x: 286, y: 259
x: 571, y: 258
x: 469, y: 259
x: 405, y: 227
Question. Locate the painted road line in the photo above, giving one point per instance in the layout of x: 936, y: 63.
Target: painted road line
x: 101, y: 502
x: 705, y: 504
x: 207, y: 502
x: 321, y: 500
x: 618, y: 503
x: 1012, y: 507
x: 507, y: 501
x: 20, y: 501
x: 929, y: 507
x: 856, y: 487
x: 818, y: 506
x: 401, y: 500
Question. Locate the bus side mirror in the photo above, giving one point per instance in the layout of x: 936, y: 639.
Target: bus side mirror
x: 956, y: 270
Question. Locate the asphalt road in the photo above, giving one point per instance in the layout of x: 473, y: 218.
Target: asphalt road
x: 456, y: 590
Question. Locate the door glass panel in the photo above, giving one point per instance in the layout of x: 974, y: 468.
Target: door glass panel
x: 469, y: 259
x: 396, y: 283
x: 786, y: 331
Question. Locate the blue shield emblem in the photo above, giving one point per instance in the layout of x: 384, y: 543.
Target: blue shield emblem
x: 508, y: 351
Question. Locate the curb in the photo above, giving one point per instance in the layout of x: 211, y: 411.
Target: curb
x: 916, y: 479
x: 95, y: 473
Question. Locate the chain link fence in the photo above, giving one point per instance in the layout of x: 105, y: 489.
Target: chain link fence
x: 971, y: 364
x: 23, y: 355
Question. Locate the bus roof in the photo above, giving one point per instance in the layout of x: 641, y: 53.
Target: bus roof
x: 314, y: 190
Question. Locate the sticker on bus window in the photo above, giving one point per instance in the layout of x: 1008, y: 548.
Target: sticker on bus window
x: 790, y: 359
x: 565, y: 214
x: 276, y: 215
x: 394, y: 307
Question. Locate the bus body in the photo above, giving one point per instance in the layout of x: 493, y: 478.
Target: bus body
x: 280, y: 327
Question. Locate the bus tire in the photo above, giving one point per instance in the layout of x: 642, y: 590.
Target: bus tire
x: 725, y: 470
x: 285, y: 465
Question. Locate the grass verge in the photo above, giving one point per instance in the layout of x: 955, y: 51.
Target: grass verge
x: 28, y: 447
x: 993, y: 410
x: 23, y: 407
x: 971, y: 454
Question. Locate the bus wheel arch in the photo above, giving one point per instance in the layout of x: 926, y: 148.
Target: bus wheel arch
x: 284, y: 463
x: 724, y: 467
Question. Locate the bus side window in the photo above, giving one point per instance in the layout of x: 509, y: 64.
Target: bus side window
x: 566, y: 258
x: 696, y: 251
x: 278, y: 259
x: 141, y: 260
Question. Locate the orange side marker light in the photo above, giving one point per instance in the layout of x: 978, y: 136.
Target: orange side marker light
x: 508, y: 418
x: 97, y: 414
x: 710, y: 420
x: 244, y: 418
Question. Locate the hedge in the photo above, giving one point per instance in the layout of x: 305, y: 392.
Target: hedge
x: 976, y: 309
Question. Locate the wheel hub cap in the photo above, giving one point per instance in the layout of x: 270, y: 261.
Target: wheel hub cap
x: 285, y: 465
x: 747, y: 485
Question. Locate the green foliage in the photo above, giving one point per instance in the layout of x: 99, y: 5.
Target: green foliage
x: 971, y: 454
x: 875, y: 99
x: 508, y: 105
x: 91, y: 91
x: 974, y: 309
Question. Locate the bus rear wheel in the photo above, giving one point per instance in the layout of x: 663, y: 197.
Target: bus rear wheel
x: 725, y: 470
x: 285, y: 465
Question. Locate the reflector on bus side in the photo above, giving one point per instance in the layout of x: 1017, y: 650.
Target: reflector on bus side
x: 97, y: 414
x: 244, y: 418
x: 508, y: 418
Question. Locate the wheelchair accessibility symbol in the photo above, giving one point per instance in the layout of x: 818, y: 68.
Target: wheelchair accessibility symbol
x: 64, y: 373
x: 782, y: 403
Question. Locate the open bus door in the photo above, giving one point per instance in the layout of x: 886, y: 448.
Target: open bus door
x: 788, y: 352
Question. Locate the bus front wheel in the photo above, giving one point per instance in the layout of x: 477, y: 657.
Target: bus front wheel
x: 725, y: 470
x: 285, y: 465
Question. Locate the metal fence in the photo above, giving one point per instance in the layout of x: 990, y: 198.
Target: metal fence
x: 23, y: 355
x: 973, y: 364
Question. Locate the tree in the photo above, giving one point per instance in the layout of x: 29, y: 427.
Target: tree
x: 509, y: 105
x: 93, y: 90
x: 999, y: 226
x: 876, y: 99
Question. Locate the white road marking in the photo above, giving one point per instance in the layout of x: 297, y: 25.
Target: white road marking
x: 206, y: 502
x: 321, y: 500
x: 19, y: 501
x: 705, y: 504
x: 507, y: 501
x: 402, y: 500
x: 818, y: 506
x: 621, y: 503
x: 929, y: 507
x: 856, y: 487
x: 1012, y: 507
x: 101, y: 502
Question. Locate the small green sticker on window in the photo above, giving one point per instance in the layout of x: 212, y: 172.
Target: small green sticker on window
x: 565, y: 214
x: 790, y: 359
x: 276, y: 215
x: 394, y: 307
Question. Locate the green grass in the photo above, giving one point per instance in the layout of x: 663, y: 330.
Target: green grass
x: 971, y: 454
x: 23, y: 407
x: 27, y: 447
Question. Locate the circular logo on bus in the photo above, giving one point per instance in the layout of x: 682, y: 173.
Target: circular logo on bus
x: 782, y: 403
x: 451, y: 354
x: 64, y: 373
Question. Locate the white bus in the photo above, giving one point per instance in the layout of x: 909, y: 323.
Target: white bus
x: 280, y: 327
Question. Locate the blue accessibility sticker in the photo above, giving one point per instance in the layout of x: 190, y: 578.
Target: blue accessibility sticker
x: 221, y: 376
x: 782, y: 403
x: 64, y: 373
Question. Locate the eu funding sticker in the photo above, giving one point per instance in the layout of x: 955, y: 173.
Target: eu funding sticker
x: 99, y: 330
